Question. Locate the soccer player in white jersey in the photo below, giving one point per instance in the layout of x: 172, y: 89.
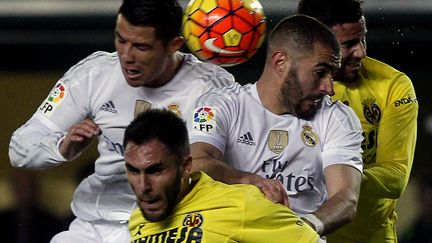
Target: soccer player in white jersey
x: 283, y: 133
x: 99, y: 97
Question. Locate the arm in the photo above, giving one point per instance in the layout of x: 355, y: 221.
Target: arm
x: 79, y: 138
x: 210, y: 160
x: 343, y: 186
x: 387, y: 177
x: 342, y: 163
x: 35, y: 145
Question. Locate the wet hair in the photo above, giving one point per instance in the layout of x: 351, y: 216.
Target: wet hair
x: 162, y: 125
x: 332, y: 12
x: 298, y: 33
x: 164, y: 15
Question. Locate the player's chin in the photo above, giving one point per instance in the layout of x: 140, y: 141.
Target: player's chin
x: 308, y: 109
x: 153, y: 213
x: 135, y: 82
x: 351, y: 74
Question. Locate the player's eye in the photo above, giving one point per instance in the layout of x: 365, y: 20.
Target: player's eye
x: 132, y: 169
x: 119, y: 39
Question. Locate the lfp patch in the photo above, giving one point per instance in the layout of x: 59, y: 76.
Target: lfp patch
x: 203, y: 119
x: 53, y: 100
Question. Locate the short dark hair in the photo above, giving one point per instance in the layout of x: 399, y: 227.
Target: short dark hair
x: 164, y: 15
x: 298, y: 33
x: 332, y: 12
x: 160, y: 124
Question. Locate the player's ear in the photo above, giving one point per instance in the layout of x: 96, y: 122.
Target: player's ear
x: 187, y: 163
x: 175, y: 44
x: 280, y: 61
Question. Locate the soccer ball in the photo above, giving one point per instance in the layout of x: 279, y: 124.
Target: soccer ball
x: 224, y: 32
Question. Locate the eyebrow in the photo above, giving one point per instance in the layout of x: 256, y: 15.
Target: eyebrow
x: 118, y: 34
x: 130, y: 167
x: 156, y: 165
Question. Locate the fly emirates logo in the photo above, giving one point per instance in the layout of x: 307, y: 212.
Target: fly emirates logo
x: 274, y: 169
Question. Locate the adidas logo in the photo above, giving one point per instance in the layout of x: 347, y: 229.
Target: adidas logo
x: 246, y: 139
x: 109, y: 106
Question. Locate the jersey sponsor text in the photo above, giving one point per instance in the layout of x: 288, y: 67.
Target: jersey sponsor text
x: 292, y: 183
x: 179, y: 234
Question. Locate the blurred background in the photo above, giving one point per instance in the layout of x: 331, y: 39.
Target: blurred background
x: 41, y: 39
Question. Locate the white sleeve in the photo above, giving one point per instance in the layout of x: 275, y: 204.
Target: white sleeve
x: 211, y: 118
x: 35, y: 144
x: 343, y: 138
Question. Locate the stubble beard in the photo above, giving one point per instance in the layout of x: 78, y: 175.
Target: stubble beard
x: 291, y: 96
x: 172, y: 196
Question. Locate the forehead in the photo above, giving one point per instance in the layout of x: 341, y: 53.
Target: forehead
x: 138, y: 33
x: 348, y: 31
x: 147, y: 154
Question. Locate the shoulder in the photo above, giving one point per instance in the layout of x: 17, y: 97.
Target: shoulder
x: 96, y: 63
x: 379, y: 71
x: 230, y: 94
x: 241, y: 192
x: 338, y: 112
x: 213, y: 75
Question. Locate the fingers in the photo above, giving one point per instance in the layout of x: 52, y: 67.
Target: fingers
x: 78, y: 138
x: 87, y: 129
x: 274, y: 191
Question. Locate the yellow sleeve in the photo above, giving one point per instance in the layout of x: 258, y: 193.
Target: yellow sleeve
x: 265, y: 221
x: 397, y: 133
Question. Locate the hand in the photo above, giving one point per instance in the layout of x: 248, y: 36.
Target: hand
x: 78, y: 138
x: 274, y: 190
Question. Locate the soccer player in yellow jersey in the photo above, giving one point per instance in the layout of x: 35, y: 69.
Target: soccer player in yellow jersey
x: 175, y: 205
x: 385, y: 101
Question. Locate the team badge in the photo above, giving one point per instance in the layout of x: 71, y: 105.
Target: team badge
x: 175, y: 108
x: 277, y: 141
x: 53, y: 100
x: 309, y: 137
x: 371, y: 111
x: 203, y: 119
x: 193, y: 220
x: 141, y: 106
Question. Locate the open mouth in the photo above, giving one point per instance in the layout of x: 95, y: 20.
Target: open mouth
x: 151, y: 205
x: 132, y: 73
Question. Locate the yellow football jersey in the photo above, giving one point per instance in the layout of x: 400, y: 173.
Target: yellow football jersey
x: 385, y: 102
x: 216, y: 212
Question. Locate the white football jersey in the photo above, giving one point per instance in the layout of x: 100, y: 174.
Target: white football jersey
x: 96, y: 88
x: 284, y: 147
